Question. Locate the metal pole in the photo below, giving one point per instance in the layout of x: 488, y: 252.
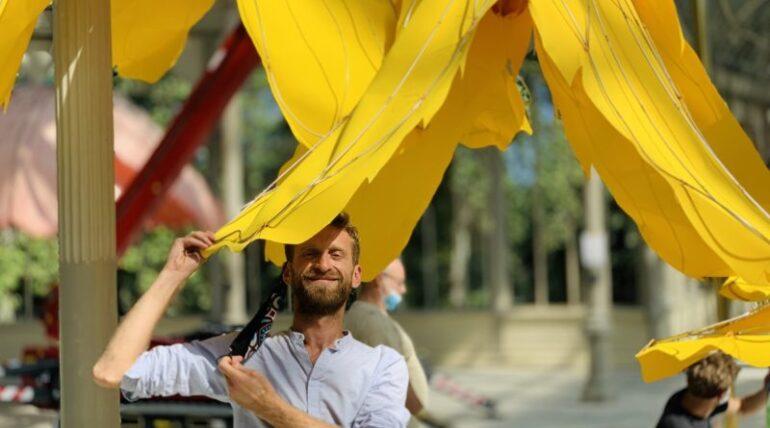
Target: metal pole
x: 86, y: 177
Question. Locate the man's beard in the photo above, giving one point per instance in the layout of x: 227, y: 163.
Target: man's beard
x: 319, y: 300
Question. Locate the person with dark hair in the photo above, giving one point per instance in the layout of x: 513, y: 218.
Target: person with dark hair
x: 313, y: 375
x: 707, y: 394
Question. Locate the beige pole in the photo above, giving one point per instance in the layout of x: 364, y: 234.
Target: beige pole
x: 86, y: 177
x: 232, y: 195
x: 596, y: 259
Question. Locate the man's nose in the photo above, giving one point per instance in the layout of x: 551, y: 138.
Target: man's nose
x: 324, y: 262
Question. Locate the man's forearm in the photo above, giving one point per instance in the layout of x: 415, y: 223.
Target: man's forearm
x: 413, y: 403
x: 133, y: 335
x: 753, y: 402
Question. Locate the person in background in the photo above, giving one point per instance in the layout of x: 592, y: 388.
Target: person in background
x: 368, y: 321
x: 708, y: 394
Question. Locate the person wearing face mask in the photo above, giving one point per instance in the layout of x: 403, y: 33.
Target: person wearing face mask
x: 368, y: 321
x: 708, y: 394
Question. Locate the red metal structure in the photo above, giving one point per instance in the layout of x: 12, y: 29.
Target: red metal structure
x: 230, y: 66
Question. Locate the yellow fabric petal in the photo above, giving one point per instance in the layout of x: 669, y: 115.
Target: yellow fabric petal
x: 493, y: 64
x: 148, y: 36
x: 319, y: 56
x: 725, y: 135
x: 17, y: 22
x: 737, y: 289
x: 631, y: 124
x: 409, y: 88
x: 746, y: 338
x: 387, y: 209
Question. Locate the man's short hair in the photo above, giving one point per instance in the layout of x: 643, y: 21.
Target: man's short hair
x: 341, y: 222
x: 711, y: 376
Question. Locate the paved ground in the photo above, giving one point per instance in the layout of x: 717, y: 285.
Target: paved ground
x: 537, y: 399
x: 551, y: 399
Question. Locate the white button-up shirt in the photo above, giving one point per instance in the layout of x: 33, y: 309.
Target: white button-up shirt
x: 351, y: 384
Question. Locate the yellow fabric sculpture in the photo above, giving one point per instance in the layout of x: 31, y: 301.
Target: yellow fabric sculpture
x: 371, y: 160
x: 17, y: 22
x: 746, y: 338
x: 147, y: 36
x: 379, y: 93
x: 674, y: 169
x: 736, y: 288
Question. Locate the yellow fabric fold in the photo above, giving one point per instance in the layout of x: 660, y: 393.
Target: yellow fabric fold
x: 17, y: 22
x: 737, y: 289
x: 409, y: 88
x: 387, y: 209
x: 746, y: 338
x: 623, y: 115
x: 148, y: 36
x: 320, y: 57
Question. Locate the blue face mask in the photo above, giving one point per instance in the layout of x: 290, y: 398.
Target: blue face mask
x: 392, y: 300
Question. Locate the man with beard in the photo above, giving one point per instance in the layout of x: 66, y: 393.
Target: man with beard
x: 313, y: 375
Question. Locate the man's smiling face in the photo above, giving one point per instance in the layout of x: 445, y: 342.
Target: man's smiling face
x: 322, y: 272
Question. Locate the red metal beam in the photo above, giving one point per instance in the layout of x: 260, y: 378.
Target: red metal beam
x: 189, y: 130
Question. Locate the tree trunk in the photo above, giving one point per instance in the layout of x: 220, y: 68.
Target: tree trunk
x: 461, y: 250
x: 572, y: 268
x: 429, y: 257
x: 539, y: 251
x: 498, y: 251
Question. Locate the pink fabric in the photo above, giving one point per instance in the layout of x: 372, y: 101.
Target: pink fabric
x: 28, y: 167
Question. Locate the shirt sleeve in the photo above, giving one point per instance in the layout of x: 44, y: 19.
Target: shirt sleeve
x: 183, y: 369
x: 385, y: 402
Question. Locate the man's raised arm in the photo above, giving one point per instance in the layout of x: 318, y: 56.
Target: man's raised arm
x: 133, y: 335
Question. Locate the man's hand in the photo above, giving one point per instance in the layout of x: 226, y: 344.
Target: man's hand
x: 184, y: 257
x: 250, y: 389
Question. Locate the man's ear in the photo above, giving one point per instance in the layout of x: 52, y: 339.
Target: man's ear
x: 286, y: 273
x: 357, y: 274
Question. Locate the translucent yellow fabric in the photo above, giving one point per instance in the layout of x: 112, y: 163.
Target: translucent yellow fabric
x: 17, y: 22
x: 737, y: 289
x: 384, y: 161
x: 319, y: 56
x: 386, y: 209
x: 637, y: 106
x: 746, y: 338
x: 148, y: 36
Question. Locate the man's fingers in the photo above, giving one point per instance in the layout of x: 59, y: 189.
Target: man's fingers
x: 194, y: 242
x: 206, y: 237
x: 232, y: 371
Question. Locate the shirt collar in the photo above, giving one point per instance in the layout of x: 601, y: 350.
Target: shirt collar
x: 298, y: 339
